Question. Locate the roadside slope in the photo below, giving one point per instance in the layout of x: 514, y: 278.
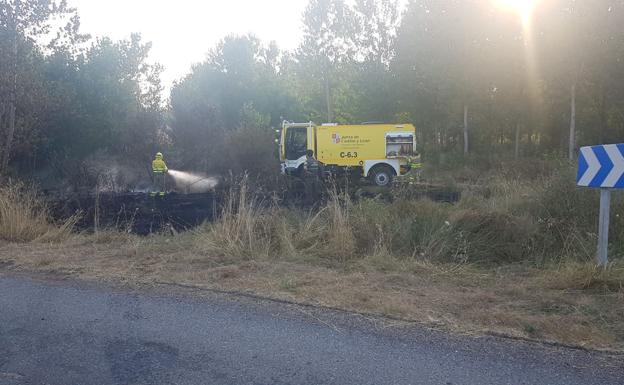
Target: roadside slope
x: 514, y: 300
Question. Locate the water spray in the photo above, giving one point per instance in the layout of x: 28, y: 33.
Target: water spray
x: 193, y: 183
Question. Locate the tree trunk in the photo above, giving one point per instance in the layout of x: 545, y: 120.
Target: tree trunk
x: 8, y: 140
x: 2, y: 112
x: 465, y: 129
x: 572, y: 122
x: 330, y: 118
x: 6, y: 153
x: 517, y: 142
x: 602, y: 116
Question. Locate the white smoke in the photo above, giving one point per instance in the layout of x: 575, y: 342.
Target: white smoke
x: 193, y: 183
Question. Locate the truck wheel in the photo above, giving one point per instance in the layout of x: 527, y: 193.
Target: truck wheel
x: 382, y: 175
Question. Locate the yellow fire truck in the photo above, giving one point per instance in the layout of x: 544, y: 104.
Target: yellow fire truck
x: 375, y: 151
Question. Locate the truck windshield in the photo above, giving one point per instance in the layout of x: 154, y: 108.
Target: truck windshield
x: 296, y: 142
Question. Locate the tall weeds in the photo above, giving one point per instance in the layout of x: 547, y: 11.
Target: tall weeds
x: 250, y: 227
x: 243, y: 229
x: 505, y: 220
x: 340, y: 237
x: 24, y: 217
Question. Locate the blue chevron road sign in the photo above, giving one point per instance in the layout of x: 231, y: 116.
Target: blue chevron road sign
x: 601, y: 166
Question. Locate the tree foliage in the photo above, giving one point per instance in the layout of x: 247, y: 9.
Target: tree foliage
x: 364, y: 60
x: 74, y: 99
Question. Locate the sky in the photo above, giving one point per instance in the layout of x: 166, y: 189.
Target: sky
x: 182, y: 31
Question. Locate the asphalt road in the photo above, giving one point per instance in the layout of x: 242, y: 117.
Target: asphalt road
x: 75, y: 333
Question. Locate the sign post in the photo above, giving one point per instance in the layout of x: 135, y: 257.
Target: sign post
x: 602, y: 167
x: 603, y: 226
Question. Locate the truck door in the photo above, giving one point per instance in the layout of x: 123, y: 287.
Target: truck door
x: 296, y: 142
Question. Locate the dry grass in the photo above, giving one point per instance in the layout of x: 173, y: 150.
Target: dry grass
x: 587, y: 276
x: 558, y: 304
x: 242, y: 230
x: 24, y: 218
x: 511, y: 260
x: 250, y: 228
x: 341, y: 242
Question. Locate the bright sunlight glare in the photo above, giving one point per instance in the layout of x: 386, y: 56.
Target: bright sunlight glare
x: 523, y: 7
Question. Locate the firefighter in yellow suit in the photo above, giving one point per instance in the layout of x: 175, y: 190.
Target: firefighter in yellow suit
x: 415, y: 168
x: 159, y: 169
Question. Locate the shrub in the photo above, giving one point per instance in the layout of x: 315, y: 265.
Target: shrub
x: 564, y: 215
x: 568, y: 217
x: 252, y: 150
x: 490, y: 236
x: 405, y: 227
